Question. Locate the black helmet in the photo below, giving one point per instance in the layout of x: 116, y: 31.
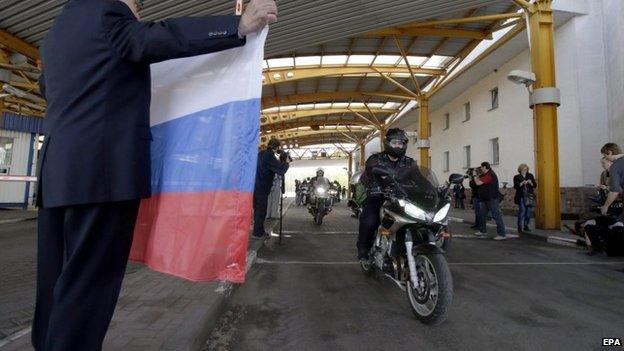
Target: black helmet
x: 395, y: 134
x: 274, y: 143
x: 320, y: 172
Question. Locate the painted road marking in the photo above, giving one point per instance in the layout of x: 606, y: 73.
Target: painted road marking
x: 317, y: 233
x: 336, y: 263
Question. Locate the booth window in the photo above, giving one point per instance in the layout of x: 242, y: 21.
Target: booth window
x: 6, y: 151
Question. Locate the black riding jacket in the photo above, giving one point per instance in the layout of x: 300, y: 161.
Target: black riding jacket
x: 381, y: 159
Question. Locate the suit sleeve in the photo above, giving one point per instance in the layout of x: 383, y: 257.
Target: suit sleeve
x: 276, y: 166
x: 151, y: 42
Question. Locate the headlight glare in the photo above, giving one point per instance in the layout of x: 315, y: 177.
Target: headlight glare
x: 441, y: 215
x: 415, y: 211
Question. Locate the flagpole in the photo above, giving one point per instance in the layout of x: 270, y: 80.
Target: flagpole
x: 282, y: 208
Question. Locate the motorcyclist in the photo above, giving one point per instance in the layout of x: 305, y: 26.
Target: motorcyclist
x: 320, y: 179
x: 393, y: 157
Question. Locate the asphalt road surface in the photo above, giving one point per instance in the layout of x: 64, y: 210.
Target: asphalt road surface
x: 520, y: 294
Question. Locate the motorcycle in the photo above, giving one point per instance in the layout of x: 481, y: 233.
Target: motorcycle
x: 413, y: 218
x: 321, y: 203
x: 304, y: 194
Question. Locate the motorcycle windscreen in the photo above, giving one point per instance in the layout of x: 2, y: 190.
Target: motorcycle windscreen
x: 420, y: 185
x: 205, y: 126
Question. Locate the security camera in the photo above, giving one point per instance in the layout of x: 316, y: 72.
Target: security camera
x: 522, y: 77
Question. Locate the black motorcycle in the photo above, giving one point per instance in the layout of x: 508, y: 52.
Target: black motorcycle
x: 321, y: 202
x: 303, y: 195
x: 413, y: 219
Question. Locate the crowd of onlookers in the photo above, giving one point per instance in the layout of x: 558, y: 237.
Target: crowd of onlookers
x: 602, y: 228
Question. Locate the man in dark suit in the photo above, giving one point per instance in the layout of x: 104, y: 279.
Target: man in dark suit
x: 95, y: 162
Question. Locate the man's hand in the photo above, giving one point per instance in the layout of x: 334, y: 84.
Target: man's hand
x: 604, y: 210
x: 257, y: 15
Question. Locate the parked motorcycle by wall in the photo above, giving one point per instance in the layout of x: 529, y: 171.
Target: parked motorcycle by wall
x: 321, y: 202
x: 413, y: 217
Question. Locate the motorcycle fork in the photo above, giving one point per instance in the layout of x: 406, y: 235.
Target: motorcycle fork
x: 411, y: 262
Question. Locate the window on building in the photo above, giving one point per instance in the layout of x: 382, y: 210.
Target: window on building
x: 466, y: 156
x: 446, y: 165
x: 429, y: 161
x: 430, y: 129
x: 494, y: 98
x: 495, y: 151
x: 447, y: 121
x: 6, y: 151
x: 467, y: 112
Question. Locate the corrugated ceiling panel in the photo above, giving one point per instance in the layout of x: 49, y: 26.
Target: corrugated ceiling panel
x: 302, y: 22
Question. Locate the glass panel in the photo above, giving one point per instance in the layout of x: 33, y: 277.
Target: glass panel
x: 308, y: 61
x: 361, y: 59
x: 387, y: 59
x: 494, y: 98
x: 281, y: 62
x: 495, y: 151
x: 335, y: 60
x: 6, y: 151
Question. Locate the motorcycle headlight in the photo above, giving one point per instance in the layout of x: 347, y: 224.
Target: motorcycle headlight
x: 413, y: 210
x: 441, y: 215
x: 320, y: 190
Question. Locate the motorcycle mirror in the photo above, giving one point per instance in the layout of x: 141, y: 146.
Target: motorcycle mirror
x: 456, y: 178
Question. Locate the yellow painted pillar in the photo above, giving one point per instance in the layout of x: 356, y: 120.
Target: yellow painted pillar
x: 423, y: 131
x: 548, y: 210
x: 4, y: 58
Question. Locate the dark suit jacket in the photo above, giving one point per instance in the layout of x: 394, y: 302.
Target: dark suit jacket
x: 268, y: 166
x: 96, y: 63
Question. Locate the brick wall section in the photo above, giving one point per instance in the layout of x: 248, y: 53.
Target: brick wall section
x: 574, y: 201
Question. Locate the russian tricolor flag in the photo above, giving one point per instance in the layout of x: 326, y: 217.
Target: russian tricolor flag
x: 205, y: 118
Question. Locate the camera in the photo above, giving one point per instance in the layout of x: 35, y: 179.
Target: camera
x: 284, y: 156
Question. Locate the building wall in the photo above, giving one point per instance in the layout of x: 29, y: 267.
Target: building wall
x: 14, y: 192
x: 613, y: 23
x: 583, y: 117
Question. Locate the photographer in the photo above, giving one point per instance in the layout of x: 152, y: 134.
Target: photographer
x: 489, y: 196
x: 268, y: 166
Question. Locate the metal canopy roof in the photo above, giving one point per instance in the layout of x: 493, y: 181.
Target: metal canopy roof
x: 355, y: 62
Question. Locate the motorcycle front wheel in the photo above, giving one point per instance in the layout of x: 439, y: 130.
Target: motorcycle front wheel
x: 320, y: 212
x: 431, y: 299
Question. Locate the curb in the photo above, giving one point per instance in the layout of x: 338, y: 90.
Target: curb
x: 551, y: 239
x: 226, y: 289
x: 17, y: 220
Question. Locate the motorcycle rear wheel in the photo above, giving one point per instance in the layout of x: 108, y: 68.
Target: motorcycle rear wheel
x: 433, y: 300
